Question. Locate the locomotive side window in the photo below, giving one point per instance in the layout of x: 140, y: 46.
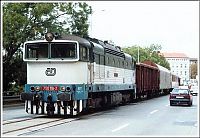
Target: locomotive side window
x: 37, y: 50
x: 113, y: 62
x: 102, y: 62
x: 107, y: 60
x: 83, y: 53
x: 63, y: 50
x: 97, y: 58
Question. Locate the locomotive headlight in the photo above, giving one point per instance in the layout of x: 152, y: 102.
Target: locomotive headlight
x: 37, y: 88
x: 62, y: 88
x: 49, y: 36
x: 68, y: 88
x: 32, y: 88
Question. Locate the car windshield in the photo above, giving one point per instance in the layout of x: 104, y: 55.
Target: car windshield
x: 180, y: 91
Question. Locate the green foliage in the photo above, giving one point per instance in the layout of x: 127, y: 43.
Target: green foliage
x: 27, y: 21
x: 79, y: 23
x: 194, y: 71
x: 148, y: 53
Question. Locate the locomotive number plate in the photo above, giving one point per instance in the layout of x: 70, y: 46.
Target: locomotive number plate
x: 50, y: 88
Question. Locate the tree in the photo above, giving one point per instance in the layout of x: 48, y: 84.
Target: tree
x: 148, y: 53
x: 27, y: 21
x: 193, y: 69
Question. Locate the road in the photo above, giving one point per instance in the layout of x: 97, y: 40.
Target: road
x: 152, y: 117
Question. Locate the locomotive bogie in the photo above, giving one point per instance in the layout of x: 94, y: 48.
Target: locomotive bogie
x: 55, y: 108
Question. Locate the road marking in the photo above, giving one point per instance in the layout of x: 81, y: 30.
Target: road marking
x: 121, y: 127
x: 153, y: 111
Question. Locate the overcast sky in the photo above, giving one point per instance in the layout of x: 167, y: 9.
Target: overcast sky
x: 173, y: 25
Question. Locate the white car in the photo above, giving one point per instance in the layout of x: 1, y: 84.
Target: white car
x: 194, y: 90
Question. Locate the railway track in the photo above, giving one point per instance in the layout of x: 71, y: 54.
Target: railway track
x: 25, y: 126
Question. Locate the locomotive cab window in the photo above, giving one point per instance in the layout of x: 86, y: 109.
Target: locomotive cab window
x: 63, y: 50
x: 37, y: 50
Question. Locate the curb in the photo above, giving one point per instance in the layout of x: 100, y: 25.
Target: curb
x: 13, y: 105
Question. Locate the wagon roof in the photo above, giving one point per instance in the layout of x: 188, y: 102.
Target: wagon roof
x: 148, y: 64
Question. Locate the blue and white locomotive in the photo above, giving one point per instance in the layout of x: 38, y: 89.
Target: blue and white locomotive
x: 69, y: 74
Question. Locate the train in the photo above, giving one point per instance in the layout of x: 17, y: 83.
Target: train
x: 69, y: 74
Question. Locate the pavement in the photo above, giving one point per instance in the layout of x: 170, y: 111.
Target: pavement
x: 13, y: 105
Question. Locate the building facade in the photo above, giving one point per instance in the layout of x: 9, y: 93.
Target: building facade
x: 180, y: 65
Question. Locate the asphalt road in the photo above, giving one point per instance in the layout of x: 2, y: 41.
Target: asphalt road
x: 152, y: 117
x: 15, y: 112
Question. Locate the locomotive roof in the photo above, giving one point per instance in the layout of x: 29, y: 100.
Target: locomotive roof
x: 105, y: 44
x: 82, y: 41
x: 87, y: 41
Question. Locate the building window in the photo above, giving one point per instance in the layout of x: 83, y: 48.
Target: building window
x: 181, y: 65
x: 185, y: 65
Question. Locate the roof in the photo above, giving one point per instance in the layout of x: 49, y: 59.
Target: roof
x: 175, y: 55
x: 193, y: 59
x: 81, y: 40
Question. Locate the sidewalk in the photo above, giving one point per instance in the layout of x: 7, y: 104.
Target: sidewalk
x: 13, y: 105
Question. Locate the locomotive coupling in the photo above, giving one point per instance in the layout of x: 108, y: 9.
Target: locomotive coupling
x: 30, y: 96
x: 50, y: 105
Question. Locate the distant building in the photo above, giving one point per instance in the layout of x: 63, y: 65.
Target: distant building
x: 179, y: 64
x: 193, y: 60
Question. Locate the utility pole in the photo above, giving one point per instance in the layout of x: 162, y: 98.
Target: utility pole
x: 138, y: 54
x: 91, y: 21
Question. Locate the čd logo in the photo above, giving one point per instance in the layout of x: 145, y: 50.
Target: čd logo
x: 50, y: 71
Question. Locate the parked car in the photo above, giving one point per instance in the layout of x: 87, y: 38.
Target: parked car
x: 180, y: 96
x: 194, y: 90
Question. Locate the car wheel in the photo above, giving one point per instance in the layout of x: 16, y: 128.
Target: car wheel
x: 171, y: 103
x: 189, y: 103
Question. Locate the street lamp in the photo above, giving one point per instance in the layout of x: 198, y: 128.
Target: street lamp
x: 138, y: 54
x: 91, y: 23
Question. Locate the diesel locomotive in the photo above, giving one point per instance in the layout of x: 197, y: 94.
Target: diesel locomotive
x: 68, y: 74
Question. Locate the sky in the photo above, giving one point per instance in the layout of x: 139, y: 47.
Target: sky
x: 172, y: 24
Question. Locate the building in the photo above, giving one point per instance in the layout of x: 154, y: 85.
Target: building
x: 180, y: 65
x: 193, y: 60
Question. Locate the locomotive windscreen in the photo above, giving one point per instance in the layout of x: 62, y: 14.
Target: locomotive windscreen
x: 51, y: 50
x: 63, y: 50
x: 37, y: 50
